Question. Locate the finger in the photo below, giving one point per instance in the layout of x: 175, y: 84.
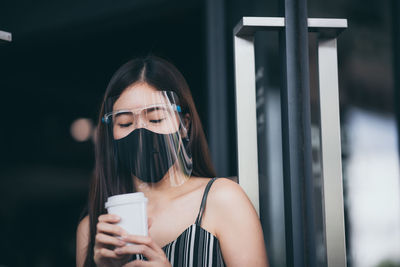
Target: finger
x: 109, y: 240
x: 138, y: 263
x: 142, y: 240
x: 103, y: 227
x: 107, y: 253
x: 149, y: 222
x: 112, y: 218
x: 137, y: 239
x: 146, y: 251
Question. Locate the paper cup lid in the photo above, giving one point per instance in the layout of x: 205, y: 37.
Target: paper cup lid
x: 125, y: 199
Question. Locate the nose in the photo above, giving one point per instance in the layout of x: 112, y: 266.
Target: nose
x: 140, y: 122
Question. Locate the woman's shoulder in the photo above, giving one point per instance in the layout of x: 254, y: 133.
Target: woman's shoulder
x: 82, y: 240
x: 222, y: 188
x: 228, y: 201
x: 231, y: 211
x: 225, y: 191
x: 83, y: 227
x: 84, y: 222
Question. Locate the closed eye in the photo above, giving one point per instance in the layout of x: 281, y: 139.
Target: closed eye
x: 157, y: 121
x: 124, y: 125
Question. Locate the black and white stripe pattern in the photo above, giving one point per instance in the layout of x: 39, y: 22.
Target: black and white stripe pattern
x: 195, y: 247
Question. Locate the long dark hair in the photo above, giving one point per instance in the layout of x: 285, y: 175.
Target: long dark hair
x: 159, y: 74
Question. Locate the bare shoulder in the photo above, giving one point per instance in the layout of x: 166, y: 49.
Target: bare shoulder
x: 236, y: 224
x: 225, y: 183
x: 83, y: 226
x: 82, y: 240
x: 228, y: 202
x: 225, y: 191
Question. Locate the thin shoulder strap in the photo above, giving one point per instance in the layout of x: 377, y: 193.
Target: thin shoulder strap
x: 203, y: 201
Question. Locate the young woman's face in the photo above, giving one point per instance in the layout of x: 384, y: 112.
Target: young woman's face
x: 143, y: 106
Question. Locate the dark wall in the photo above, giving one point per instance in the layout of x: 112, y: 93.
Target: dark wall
x: 55, y: 71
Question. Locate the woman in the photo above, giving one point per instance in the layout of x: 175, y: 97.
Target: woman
x: 150, y: 139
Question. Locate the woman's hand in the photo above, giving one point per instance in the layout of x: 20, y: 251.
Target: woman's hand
x: 106, y: 242
x: 147, y: 247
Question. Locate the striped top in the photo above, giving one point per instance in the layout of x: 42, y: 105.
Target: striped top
x: 195, y: 246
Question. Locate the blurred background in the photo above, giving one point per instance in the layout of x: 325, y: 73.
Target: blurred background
x: 54, y: 73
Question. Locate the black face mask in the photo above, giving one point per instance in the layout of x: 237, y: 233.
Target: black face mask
x: 146, y: 154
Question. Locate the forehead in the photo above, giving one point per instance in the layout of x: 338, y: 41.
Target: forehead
x: 138, y: 96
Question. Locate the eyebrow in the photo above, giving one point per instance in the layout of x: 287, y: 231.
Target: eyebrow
x: 122, y: 112
x: 127, y: 111
x: 155, y: 108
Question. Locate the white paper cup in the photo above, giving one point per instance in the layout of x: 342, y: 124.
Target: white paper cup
x: 132, y: 209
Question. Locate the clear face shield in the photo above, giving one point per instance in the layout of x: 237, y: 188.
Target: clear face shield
x: 149, y: 138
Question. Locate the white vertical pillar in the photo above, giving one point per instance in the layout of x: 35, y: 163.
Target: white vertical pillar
x: 331, y: 152
x: 246, y: 117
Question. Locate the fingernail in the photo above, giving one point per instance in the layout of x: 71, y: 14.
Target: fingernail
x: 116, y: 217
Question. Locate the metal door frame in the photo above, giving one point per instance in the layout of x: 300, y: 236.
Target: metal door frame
x: 328, y: 31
